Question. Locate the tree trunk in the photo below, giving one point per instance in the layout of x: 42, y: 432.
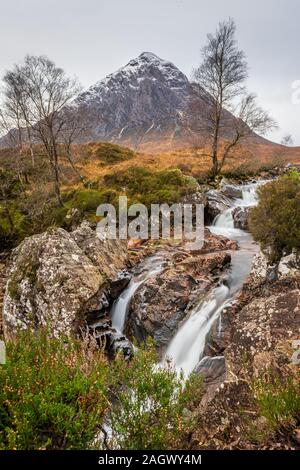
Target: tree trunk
x: 56, y: 174
x: 31, y: 148
x: 215, y: 144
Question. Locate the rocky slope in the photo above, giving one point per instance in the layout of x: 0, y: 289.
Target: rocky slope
x: 65, y: 281
x: 163, y: 301
x: 261, y: 328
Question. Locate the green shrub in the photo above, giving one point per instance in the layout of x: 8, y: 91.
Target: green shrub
x: 275, y: 222
x: 13, y: 224
x: 52, y: 394
x: 147, y: 187
x: 278, y: 402
x: 56, y: 394
x: 150, y: 413
x: 111, y: 154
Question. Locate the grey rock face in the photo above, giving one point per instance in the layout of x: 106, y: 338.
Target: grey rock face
x: 289, y: 266
x: 59, y: 279
x: 216, y: 204
x: 160, y: 305
x: 213, y: 369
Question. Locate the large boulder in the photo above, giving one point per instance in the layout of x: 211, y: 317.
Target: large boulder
x: 212, y: 369
x: 57, y: 279
x: 163, y: 301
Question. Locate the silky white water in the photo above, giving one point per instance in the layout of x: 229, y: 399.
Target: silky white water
x: 120, y: 307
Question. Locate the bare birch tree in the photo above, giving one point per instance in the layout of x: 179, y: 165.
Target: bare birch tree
x: 42, y: 90
x: 222, y: 77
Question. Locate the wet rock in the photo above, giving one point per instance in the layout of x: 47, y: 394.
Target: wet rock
x: 58, y: 278
x: 163, y: 301
x: 231, y: 191
x: 263, y: 332
x: 258, y: 271
x: 209, y: 263
x: 214, y: 243
x: 213, y: 370
x: 241, y: 217
x: 109, y: 339
x: 108, y: 255
x: 215, y: 205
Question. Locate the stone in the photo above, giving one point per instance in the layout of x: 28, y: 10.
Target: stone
x: 57, y: 279
x: 231, y: 191
x: 213, y: 369
x: 162, y: 302
x: 241, y: 217
x: 289, y: 266
x: 216, y: 203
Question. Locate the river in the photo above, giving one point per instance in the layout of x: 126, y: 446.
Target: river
x: 186, y: 348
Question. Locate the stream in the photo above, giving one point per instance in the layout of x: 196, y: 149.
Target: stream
x: 147, y: 268
x: 186, y: 348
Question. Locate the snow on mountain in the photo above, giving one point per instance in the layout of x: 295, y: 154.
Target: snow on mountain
x: 149, y: 103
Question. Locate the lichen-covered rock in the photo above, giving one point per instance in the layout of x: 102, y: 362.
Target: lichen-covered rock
x: 264, y: 330
x: 58, y: 278
x: 213, y: 372
x: 158, y: 306
x: 289, y: 266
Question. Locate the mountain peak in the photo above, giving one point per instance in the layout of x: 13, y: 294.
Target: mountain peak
x: 149, y: 56
x: 147, y: 101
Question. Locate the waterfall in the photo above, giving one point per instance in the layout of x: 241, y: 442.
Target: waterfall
x: 187, y: 346
x: 120, y: 307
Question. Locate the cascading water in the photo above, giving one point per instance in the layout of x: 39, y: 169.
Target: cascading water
x: 120, y: 307
x: 186, y: 348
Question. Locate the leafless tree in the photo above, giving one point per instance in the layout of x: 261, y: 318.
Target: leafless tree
x: 74, y: 128
x: 42, y: 91
x: 221, y: 77
x: 250, y: 118
x: 16, y: 108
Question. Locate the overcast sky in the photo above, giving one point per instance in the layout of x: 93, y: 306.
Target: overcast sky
x: 92, y: 38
